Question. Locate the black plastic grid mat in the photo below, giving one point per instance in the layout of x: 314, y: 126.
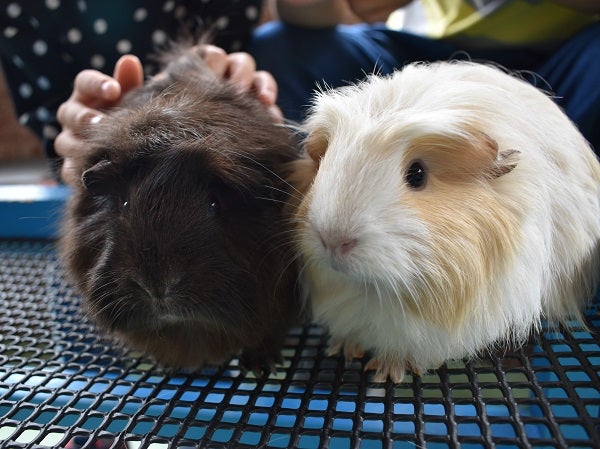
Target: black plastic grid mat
x: 63, y: 385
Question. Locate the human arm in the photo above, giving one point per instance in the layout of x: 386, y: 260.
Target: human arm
x: 313, y: 13
x: 17, y: 142
x: 372, y: 11
x: 326, y: 13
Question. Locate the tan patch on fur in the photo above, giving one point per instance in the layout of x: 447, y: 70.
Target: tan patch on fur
x: 468, y: 156
x: 576, y: 294
x: 302, y: 172
x: 316, y: 144
x: 473, y: 232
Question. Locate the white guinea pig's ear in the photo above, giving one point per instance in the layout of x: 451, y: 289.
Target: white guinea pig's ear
x: 304, y: 169
x: 456, y: 156
x: 505, y: 163
x: 501, y: 162
x: 316, y: 144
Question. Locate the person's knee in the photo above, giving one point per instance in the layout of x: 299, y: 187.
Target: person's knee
x: 298, y: 58
x: 278, y: 44
x: 572, y: 74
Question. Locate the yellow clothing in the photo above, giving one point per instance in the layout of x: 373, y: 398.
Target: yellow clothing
x: 496, y: 23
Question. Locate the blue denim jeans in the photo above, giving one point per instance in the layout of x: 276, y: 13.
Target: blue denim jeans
x: 303, y: 60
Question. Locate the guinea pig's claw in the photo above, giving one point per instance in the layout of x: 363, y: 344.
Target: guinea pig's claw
x: 350, y: 349
x: 384, y: 371
x: 259, y: 362
x: 353, y: 351
x: 415, y: 370
x: 334, y: 348
x: 267, y: 368
x: 259, y: 371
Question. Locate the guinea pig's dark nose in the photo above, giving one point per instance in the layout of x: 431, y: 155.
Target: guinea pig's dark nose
x: 154, y: 290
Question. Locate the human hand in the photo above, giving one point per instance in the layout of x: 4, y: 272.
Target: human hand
x: 240, y: 69
x: 372, y: 11
x: 94, y: 91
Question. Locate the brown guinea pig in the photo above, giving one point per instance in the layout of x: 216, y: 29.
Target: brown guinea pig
x: 175, y: 235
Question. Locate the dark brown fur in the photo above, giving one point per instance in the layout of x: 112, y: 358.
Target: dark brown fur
x: 175, y: 236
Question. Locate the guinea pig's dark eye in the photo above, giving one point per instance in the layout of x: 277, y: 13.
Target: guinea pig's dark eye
x: 416, y: 176
x: 213, y: 208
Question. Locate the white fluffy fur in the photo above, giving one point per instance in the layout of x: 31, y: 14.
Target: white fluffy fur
x: 374, y: 297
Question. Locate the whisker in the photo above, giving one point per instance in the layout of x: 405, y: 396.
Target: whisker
x: 273, y: 200
x: 293, y: 195
x: 272, y: 172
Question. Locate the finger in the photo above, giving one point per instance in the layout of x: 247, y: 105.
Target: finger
x: 95, y: 89
x: 76, y: 117
x: 276, y: 113
x: 215, y: 58
x: 240, y: 71
x: 70, y: 172
x: 265, y: 86
x: 67, y: 144
x: 129, y: 72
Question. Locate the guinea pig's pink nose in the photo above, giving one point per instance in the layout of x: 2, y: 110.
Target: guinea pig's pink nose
x: 339, y: 247
x: 347, y: 246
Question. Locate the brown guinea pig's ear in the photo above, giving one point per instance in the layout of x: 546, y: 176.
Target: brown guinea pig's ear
x: 99, y: 178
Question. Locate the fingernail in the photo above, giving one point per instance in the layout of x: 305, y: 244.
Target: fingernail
x: 110, y: 89
x: 276, y: 114
x: 95, y: 119
x: 266, y: 96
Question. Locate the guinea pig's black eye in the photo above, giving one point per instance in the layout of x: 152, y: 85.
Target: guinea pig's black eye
x: 213, y: 208
x: 416, y: 176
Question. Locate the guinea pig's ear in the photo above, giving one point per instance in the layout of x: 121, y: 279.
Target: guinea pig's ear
x: 506, y: 161
x: 99, y: 178
x: 316, y: 144
x: 500, y: 162
x: 462, y: 155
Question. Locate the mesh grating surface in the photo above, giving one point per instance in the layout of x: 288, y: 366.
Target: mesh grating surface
x: 64, y: 385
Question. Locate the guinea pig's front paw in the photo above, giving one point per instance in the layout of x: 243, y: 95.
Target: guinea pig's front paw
x: 261, y: 361
x: 385, y: 370
x: 350, y: 349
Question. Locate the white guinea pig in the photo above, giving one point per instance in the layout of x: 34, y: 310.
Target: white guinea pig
x: 453, y: 208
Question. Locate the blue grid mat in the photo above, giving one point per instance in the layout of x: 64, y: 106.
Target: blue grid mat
x: 64, y: 385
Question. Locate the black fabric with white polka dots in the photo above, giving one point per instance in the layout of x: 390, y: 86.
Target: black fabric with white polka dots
x: 44, y: 44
